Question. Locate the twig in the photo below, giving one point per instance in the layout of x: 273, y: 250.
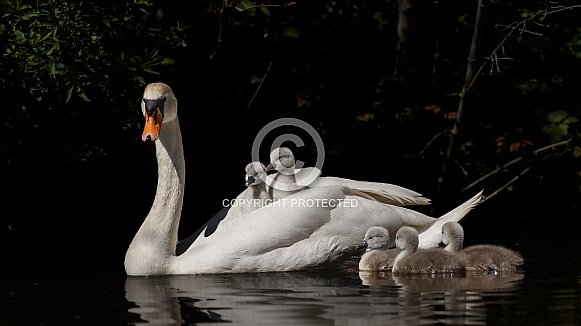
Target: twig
x: 561, y: 8
x: 507, y: 184
x: 421, y: 153
x: 516, y: 160
x: 260, y: 85
x: 260, y: 6
x: 471, y: 78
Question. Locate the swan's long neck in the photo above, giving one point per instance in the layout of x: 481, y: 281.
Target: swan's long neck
x: 155, y: 242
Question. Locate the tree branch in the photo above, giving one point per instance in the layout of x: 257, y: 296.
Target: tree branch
x: 469, y: 79
x: 518, y: 159
x: 260, y: 6
x: 260, y: 85
x: 513, y: 29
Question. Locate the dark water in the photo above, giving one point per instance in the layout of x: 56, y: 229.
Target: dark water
x: 545, y: 292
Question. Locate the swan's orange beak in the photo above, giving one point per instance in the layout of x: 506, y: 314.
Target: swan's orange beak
x: 152, y: 125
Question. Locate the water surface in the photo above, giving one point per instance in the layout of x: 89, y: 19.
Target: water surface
x: 545, y: 292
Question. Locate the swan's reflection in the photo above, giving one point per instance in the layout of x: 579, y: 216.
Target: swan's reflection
x: 314, y: 298
x: 258, y: 298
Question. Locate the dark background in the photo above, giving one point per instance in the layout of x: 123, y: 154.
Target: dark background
x: 77, y: 181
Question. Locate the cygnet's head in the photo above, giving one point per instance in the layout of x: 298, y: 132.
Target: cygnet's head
x: 452, y: 236
x: 281, y: 158
x: 159, y: 105
x: 376, y: 237
x: 255, y: 173
x: 407, y: 238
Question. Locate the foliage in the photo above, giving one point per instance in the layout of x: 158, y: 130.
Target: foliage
x: 61, y: 59
x: 75, y: 72
x: 336, y: 71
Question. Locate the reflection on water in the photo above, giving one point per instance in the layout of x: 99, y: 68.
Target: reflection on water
x: 326, y: 298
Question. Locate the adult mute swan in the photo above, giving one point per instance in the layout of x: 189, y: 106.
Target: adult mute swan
x: 271, y: 238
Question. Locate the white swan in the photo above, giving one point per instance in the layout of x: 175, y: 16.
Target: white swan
x: 289, y: 180
x: 271, y: 238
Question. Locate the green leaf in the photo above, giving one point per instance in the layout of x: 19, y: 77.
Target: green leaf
x: 82, y: 95
x: 577, y: 152
x: 557, y: 116
x: 256, y: 79
x: 291, y: 31
x: 151, y: 71
x: 69, y: 93
x: 554, y: 132
x: 167, y: 61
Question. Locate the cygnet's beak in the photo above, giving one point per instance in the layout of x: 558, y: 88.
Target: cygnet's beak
x: 391, y: 246
x: 361, y: 245
x: 270, y: 167
x: 249, y: 180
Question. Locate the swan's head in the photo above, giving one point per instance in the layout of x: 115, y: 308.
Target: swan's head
x: 158, y: 105
x: 452, y: 235
x: 255, y: 173
x: 280, y: 159
x: 407, y: 238
x: 376, y: 237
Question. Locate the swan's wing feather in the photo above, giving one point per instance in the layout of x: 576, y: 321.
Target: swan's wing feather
x: 284, y: 222
x: 431, y: 235
x: 207, y: 228
x: 282, y: 238
x: 382, y: 192
x: 337, y: 237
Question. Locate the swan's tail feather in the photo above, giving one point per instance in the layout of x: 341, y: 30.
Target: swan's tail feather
x: 433, y: 234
